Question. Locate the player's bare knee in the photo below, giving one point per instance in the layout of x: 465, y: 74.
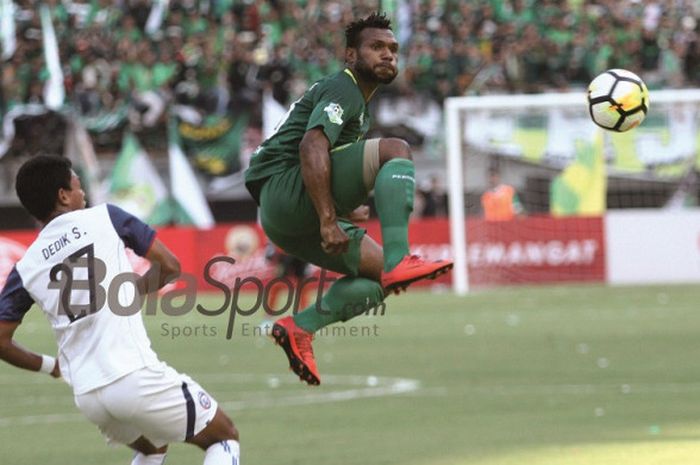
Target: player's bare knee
x: 393, y: 147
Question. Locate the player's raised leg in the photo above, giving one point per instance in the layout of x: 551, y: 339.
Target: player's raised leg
x: 394, y: 187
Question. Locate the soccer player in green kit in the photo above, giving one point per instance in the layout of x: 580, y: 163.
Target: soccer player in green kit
x: 312, y: 174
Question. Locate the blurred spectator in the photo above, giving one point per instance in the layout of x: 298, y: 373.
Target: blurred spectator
x: 430, y: 198
x: 500, y: 202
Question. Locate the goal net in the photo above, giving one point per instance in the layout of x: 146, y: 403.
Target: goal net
x: 531, y: 178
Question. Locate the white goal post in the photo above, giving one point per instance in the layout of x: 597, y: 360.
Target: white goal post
x: 455, y: 110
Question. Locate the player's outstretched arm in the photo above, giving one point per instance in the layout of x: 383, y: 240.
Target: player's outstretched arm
x: 165, y: 267
x: 316, y: 173
x: 16, y: 355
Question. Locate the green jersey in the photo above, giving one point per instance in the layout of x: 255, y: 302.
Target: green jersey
x: 334, y: 104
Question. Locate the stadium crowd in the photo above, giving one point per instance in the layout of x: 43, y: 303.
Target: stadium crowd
x: 218, y: 55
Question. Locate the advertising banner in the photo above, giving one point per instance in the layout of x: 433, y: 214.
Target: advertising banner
x: 653, y: 246
x: 535, y: 250
x: 526, y: 250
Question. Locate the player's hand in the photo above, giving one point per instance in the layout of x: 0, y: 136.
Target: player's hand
x: 334, y: 241
x: 359, y: 214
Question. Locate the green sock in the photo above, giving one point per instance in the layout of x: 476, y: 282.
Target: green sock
x: 393, y: 197
x: 345, y: 299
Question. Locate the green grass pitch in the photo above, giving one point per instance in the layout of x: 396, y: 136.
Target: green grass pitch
x: 566, y: 375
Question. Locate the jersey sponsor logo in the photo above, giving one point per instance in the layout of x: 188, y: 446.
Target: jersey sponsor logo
x: 204, y: 400
x: 335, y: 113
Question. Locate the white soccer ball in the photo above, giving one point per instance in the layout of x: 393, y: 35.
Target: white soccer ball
x: 618, y: 100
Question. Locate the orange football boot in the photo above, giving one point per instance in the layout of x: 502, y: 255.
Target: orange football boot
x: 297, y: 345
x: 412, y: 268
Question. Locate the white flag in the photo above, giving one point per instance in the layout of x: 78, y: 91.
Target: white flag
x: 273, y: 112
x: 79, y: 149
x: 7, y: 29
x: 155, y: 18
x: 54, y: 93
x: 191, y: 206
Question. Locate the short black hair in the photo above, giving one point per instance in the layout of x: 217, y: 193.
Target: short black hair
x: 38, y: 181
x: 375, y: 20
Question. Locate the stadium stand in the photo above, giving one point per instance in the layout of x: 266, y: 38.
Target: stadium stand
x: 133, y: 63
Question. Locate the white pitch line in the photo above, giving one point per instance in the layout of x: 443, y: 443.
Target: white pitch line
x: 371, y: 386
x: 399, y: 387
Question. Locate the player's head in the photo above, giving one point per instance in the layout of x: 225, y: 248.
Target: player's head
x: 371, y: 49
x: 47, y: 185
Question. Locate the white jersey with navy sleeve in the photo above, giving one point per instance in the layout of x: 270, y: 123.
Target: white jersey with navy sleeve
x: 68, y: 271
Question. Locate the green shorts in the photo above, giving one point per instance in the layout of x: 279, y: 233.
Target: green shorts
x: 290, y: 220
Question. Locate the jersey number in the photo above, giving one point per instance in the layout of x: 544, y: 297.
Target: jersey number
x: 95, y: 271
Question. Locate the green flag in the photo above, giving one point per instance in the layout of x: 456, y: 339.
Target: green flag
x: 136, y: 186
x: 214, y: 145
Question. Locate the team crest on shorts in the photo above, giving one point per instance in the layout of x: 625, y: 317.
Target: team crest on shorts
x: 335, y: 113
x: 204, y: 400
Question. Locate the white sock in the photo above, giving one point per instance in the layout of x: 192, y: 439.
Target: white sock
x: 153, y: 459
x: 223, y: 453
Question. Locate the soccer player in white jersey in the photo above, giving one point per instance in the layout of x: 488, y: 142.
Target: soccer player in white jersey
x: 103, y: 350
